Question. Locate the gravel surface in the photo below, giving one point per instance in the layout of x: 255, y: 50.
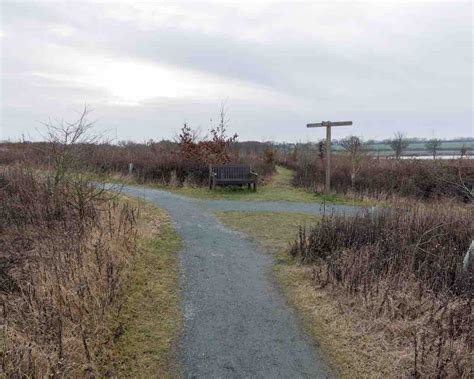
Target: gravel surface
x: 236, y: 322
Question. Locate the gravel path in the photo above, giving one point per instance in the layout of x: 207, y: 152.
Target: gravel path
x: 236, y: 322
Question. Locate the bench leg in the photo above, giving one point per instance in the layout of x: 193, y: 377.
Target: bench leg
x: 248, y: 186
x: 255, y: 186
x: 212, y: 184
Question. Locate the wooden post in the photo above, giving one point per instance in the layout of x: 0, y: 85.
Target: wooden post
x: 328, y: 158
x: 328, y: 125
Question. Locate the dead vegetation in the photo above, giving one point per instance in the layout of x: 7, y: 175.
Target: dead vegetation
x: 64, y: 245
x: 358, y: 174
x: 385, y: 179
x: 183, y: 162
x: 400, y: 270
x: 61, y: 271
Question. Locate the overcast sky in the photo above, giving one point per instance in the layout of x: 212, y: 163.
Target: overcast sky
x: 145, y: 68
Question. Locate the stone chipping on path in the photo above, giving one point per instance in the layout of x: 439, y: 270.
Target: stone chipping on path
x: 236, y: 322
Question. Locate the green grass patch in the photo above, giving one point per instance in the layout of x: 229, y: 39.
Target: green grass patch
x: 273, y: 230
x: 278, y: 188
x: 150, y: 321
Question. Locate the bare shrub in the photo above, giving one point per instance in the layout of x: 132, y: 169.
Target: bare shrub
x: 260, y: 165
x: 385, y: 178
x: 154, y: 162
x: 355, y: 150
x: 64, y: 245
x: 404, y: 266
x: 61, y: 276
x: 65, y: 140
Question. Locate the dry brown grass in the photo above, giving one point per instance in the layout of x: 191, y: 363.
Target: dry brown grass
x: 88, y: 288
x: 354, y: 349
x: 63, y: 255
x: 400, y: 270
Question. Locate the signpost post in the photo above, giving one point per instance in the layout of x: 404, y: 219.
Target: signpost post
x: 328, y: 125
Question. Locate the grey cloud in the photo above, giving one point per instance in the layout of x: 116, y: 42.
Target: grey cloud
x: 376, y: 73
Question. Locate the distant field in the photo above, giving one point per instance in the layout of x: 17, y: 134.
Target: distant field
x: 418, y: 148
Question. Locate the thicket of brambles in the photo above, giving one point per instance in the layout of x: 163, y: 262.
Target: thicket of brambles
x: 177, y: 163
x: 360, y: 174
x: 64, y: 248
x: 185, y: 161
x: 385, y: 178
x: 402, y: 269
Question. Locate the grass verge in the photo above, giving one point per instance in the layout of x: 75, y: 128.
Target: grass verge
x: 279, y: 188
x: 150, y: 319
x: 352, y: 352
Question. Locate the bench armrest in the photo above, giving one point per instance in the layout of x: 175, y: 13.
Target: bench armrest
x: 253, y: 173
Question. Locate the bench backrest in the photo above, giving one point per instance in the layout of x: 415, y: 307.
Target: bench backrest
x: 230, y: 171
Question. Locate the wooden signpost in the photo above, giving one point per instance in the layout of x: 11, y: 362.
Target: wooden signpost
x: 328, y: 125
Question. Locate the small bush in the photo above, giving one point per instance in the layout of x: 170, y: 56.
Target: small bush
x: 403, y: 265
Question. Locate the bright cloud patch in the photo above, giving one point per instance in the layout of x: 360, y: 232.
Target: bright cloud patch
x: 129, y: 82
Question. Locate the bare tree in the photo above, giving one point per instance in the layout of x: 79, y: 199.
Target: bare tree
x: 399, y: 144
x: 433, y: 146
x: 461, y: 181
x: 219, y: 131
x: 67, y: 142
x: 223, y: 119
x: 464, y: 150
x: 64, y: 138
x: 355, y: 147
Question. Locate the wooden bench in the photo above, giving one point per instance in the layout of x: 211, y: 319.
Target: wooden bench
x: 229, y: 174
